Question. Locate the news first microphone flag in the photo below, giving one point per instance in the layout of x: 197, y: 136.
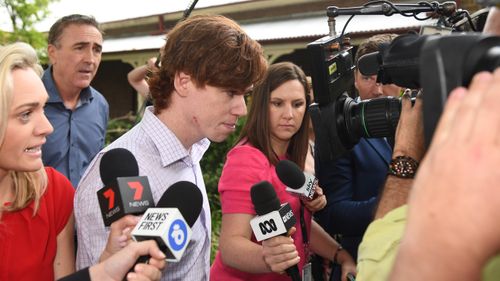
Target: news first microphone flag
x: 170, y: 222
x: 168, y: 228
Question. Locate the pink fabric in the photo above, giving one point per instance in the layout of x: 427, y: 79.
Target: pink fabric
x: 244, y: 167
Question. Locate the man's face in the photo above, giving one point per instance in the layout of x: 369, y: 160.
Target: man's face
x: 215, y: 111
x: 76, y: 56
x: 368, y: 87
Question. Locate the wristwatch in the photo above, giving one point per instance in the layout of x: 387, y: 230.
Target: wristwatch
x: 403, y: 167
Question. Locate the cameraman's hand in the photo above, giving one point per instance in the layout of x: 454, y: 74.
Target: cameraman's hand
x: 409, y: 140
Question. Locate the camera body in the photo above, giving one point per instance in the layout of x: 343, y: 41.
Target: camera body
x: 338, y: 120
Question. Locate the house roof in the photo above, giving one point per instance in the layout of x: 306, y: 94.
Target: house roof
x: 285, y: 29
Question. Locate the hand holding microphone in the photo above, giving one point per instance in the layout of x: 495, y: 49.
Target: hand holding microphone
x: 119, y: 235
x: 272, y: 223
x: 301, y: 184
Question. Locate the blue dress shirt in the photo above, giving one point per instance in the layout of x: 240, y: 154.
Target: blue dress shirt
x: 78, y: 134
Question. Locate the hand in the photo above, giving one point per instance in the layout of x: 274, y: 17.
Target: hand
x: 280, y: 253
x: 119, y: 235
x: 409, y: 140
x: 117, y: 266
x: 456, y: 190
x: 151, y: 64
x: 347, y: 264
x: 316, y: 204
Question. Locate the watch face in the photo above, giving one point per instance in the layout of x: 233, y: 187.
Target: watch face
x: 403, y: 167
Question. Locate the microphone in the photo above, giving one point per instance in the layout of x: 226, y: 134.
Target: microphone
x: 124, y: 191
x: 170, y: 222
x: 297, y: 182
x: 272, y: 218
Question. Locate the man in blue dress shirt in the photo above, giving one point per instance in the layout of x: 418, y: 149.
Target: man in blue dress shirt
x: 78, y: 112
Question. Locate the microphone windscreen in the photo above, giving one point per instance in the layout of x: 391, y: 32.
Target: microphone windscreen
x: 117, y: 162
x: 290, y: 174
x: 186, y: 197
x: 264, y: 198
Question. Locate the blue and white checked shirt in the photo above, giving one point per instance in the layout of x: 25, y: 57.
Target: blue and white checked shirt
x: 165, y: 161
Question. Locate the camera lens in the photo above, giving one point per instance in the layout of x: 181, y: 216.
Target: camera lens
x: 375, y: 118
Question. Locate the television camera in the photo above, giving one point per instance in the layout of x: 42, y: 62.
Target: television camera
x: 436, y: 64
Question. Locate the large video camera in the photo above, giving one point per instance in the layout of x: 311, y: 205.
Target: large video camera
x: 435, y: 63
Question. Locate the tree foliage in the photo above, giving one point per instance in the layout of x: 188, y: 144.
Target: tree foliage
x: 23, y: 15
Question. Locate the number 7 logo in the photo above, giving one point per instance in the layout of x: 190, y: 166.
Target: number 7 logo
x: 137, y: 186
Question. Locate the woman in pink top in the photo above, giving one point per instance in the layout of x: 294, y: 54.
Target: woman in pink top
x: 275, y: 130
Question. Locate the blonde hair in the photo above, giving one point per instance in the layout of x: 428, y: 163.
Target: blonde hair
x: 28, y: 186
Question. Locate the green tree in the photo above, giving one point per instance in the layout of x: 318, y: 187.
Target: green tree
x: 23, y: 15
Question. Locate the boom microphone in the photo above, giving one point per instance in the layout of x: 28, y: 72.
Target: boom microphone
x: 272, y: 218
x: 170, y: 222
x: 297, y: 182
x: 124, y: 191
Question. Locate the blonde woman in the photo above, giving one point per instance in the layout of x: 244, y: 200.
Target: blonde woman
x: 36, y: 202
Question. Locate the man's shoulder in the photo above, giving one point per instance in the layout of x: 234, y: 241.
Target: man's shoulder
x: 98, y: 96
x: 380, y: 243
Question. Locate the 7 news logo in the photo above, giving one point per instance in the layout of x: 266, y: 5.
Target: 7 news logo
x: 135, y: 186
x: 127, y: 195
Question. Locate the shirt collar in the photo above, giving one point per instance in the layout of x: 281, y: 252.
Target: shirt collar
x: 168, y: 145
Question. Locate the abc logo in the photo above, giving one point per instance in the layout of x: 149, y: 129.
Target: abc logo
x: 177, y: 235
x: 267, y: 226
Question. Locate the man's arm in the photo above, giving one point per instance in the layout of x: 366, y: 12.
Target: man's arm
x: 137, y: 77
x: 455, y: 200
x: 409, y: 142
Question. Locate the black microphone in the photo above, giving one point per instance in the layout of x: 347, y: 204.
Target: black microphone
x: 272, y: 218
x: 297, y: 182
x: 124, y: 191
x: 169, y: 222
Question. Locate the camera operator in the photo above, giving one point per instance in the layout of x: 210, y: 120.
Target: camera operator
x: 353, y: 181
x: 450, y: 235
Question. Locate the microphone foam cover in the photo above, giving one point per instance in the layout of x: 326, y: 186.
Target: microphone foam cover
x: 264, y: 198
x: 290, y: 174
x: 186, y: 197
x: 117, y: 162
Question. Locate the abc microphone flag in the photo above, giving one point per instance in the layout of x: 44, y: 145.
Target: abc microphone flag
x: 124, y: 191
x: 170, y: 222
x: 272, y: 218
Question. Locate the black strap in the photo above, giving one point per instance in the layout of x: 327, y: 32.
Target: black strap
x: 303, y: 227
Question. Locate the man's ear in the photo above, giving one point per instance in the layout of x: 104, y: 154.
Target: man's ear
x: 51, y: 52
x: 181, y: 83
